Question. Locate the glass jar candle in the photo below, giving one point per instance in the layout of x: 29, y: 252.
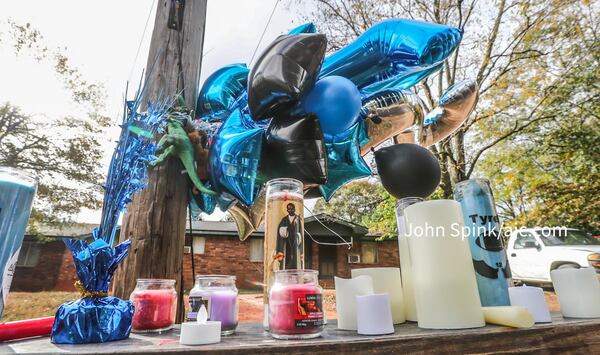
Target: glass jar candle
x: 296, y: 305
x: 220, y: 297
x: 155, y: 303
x: 284, y: 231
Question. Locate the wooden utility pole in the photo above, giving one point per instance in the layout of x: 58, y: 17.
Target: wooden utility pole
x: 155, y: 219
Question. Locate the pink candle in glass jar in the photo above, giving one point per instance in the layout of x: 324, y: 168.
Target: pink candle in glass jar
x: 155, y: 303
x: 296, y: 305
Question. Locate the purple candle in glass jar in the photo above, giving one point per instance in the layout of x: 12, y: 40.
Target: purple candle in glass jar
x: 219, y: 295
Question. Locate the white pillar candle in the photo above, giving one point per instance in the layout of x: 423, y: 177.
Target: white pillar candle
x: 410, y: 308
x: 373, y: 315
x: 578, y: 292
x: 346, y: 291
x: 387, y: 280
x: 445, y: 288
x: 200, y: 332
x: 533, y: 299
x: 510, y: 316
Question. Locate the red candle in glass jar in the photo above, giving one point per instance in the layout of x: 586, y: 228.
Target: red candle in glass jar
x: 155, y: 303
x: 296, y: 309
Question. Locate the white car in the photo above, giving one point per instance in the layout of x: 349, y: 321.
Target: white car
x: 533, y: 253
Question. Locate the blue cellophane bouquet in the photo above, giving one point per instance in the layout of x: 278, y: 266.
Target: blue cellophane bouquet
x: 97, y: 317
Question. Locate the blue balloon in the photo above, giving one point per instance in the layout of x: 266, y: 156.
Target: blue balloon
x: 344, y: 162
x: 221, y: 90
x: 305, y: 28
x: 234, y: 156
x: 336, y: 101
x: 393, y: 54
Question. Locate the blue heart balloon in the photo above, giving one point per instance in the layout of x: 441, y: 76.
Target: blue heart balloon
x: 344, y: 162
x: 393, y: 54
x: 234, y: 157
x: 221, y: 90
x: 336, y: 101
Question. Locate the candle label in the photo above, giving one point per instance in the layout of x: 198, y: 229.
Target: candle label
x: 309, y: 310
x: 196, y: 303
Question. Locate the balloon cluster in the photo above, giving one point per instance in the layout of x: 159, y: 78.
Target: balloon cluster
x: 297, y: 113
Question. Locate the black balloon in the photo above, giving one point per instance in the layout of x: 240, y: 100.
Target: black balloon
x: 408, y: 170
x: 294, y: 148
x: 283, y: 72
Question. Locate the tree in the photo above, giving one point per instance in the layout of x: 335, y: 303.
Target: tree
x: 550, y: 174
x: 63, y: 153
x: 510, y: 47
x: 355, y: 201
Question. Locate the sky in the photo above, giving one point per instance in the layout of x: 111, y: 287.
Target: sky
x: 101, y: 39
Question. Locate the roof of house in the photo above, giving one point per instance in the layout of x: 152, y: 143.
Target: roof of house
x: 64, y: 230
x: 212, y: 228
x: 230, y: 228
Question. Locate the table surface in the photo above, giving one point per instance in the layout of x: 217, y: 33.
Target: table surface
x: 562, y: 335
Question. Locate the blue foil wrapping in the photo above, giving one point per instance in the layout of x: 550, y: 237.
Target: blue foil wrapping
x: 94, y: 319
x: 489, y: 256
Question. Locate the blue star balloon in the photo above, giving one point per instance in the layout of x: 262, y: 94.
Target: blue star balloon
x: 305, y: 28
x: 344, y: 162
x: 393, y: 54
x: 234, y: 157
x: 221, y: 90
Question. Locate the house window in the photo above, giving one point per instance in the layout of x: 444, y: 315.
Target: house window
x: 29, y: 255
x: 257, y: 251
x: 368, y: 253
x: 199, y: 243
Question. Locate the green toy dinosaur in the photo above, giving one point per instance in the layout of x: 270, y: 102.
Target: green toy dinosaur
x: 176, y: 143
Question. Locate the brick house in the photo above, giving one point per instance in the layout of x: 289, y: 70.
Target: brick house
x: 216, y: 249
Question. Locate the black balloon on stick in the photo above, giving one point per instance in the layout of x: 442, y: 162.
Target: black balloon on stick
x: 408, y: 170
x: 294, y: 148
x: 283, y: 72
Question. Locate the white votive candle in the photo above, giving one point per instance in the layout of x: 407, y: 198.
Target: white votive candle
x: 387, y: 280
x: 578, y: 292
x: 346, y: 291
x: 200, y: 332
x: 445, y: 288
x: 373, y: 315
x: 533, y: 299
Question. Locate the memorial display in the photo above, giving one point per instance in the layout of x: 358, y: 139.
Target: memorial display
x: 299, y: 123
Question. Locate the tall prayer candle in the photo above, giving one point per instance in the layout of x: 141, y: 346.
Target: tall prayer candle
x: 17, y: 190
x: 445, y: 287
x: 387, y: 280
x: 346, y: 291
x: 578, y: 292
x: 489, y: 257
x: 284, y: 232
x: 410, y: 307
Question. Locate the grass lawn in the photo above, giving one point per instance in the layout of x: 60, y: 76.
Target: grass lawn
x: 25, y: 305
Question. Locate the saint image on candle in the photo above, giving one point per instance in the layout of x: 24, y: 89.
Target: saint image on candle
x: 289, y: 238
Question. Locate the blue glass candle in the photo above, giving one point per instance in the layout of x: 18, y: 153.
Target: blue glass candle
x: 17, y: 190
x: 489, y: 256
